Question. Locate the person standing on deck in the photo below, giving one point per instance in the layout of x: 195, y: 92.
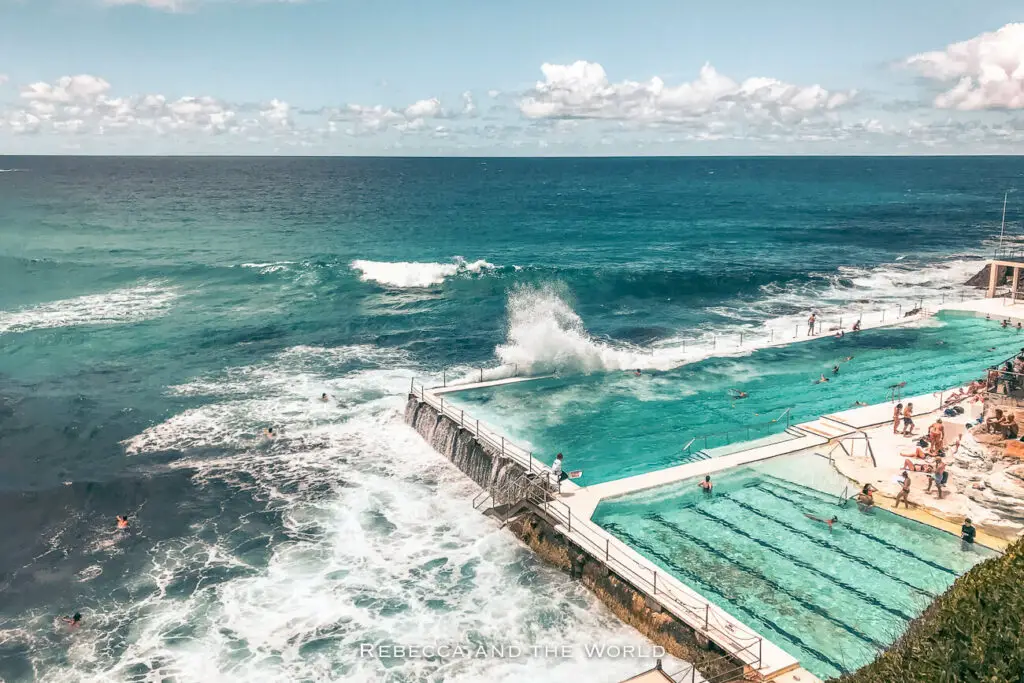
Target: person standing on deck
x: 557, y: 475
x: 810, y: 325
x: 908, y: 420
x: 896, y: 415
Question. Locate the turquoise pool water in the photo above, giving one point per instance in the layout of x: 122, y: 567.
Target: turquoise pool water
x: 831, y: 599
x: 617, y: 425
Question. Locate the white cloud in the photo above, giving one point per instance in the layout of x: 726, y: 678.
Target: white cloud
x: 82, y: 104
x: 988, y: 70
x: 583, y: 90
x: 424, y: 109
x: 163, y: 5
x: 468, y: 105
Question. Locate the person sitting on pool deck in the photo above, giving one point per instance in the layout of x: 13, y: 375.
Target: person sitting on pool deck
x: 706, y: 485
x: 830, y: 522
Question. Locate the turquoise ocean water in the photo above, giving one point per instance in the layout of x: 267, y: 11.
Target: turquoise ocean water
x: 157, y: 314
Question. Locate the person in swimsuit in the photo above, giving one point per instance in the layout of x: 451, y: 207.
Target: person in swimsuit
x: 938, y: 477
x: 269, y: 433
x: 908, y: 421
x: 810, y: 325
x: 821, y: 380
x: 830, y: 522
x: 865, y: 499
x: 76, y: 620
x: 736, y: 393
x: 856, y: 326
x: 897, y: 413
x: 706, y: 485
x: 835, y: 369
x: 122, y: 522
x: 904, y: 493
x: 324, y: 397
x: 967, y: 532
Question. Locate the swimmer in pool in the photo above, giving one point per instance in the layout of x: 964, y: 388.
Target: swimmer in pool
x: 830, y: 522
x: 859, y: 404
x: 736, y: 393
x: 848, y: 359
x: 821, y: 380
x: 122, y: 522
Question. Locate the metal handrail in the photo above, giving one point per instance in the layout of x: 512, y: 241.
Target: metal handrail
x: 787, y: 413
x: 688, y: 674
x: 498, y: 442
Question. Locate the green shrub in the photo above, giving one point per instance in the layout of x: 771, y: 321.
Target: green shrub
x: 973, y: 633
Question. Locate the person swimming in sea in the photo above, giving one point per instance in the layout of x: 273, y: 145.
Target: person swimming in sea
x: 835, y: 369
x: 821, y: 379
x: 122, y: 522
x: 848, y: 359
x: 830, y: 522
x: 269, y: 432
x: 73, y: 621
x: 736, y: 393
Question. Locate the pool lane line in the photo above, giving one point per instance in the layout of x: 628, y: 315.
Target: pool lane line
x: 877, y: 539
x: 693, y: 578
x: 806, y: 604
x: 865, y: 597
x: 830, y: 546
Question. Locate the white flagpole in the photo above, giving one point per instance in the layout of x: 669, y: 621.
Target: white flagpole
x: 1002, y: 228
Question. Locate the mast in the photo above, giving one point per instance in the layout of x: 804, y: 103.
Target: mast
x: 1002, y: 228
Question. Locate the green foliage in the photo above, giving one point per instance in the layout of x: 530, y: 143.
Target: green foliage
x: 973, y: 633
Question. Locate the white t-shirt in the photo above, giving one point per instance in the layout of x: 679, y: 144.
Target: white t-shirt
x: 556, y: 468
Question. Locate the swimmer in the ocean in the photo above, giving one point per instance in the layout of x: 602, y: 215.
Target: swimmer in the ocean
x: 269, y: 433
x: 736, y: 393
x: 73, y: 621
x: 848, y: 359
x: 324, y: 397
x: 122, y: 521
x: 835, y: 369
x: 821, y: 379
x: 830, y: 522
x: 638, y: 373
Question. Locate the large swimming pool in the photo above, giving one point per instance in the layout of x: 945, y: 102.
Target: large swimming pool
x: 832, y: 599
x: 617, y: 425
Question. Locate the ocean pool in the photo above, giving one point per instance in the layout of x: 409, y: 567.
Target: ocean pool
x: 614, y: 425
x: 832, y: 599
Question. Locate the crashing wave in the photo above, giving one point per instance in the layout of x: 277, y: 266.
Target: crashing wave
x: 404, y: 274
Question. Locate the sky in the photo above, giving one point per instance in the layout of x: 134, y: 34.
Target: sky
x: 524, y: 78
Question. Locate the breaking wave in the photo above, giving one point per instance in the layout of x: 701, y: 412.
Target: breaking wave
x: 128, y: 305
x: 404, y: 274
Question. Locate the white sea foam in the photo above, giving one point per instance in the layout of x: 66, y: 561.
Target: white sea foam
x: 127, y: 305
x: 383, y: 546
x: 268, y: 268
x: 545, y: 334
x: 404, y: 274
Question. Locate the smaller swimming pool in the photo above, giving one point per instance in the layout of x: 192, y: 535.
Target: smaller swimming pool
x: 832, y: 599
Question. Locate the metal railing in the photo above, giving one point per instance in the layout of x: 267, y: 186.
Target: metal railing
x: 481, y: 431
x: 1008, y: 253
x: 701, y: 615
x: 477, y: 374
x: 690, y: 673
x: 736, y: 431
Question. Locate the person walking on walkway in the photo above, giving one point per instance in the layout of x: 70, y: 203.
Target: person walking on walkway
x: 908, y: 420
x: 810, y: 325
x: 557, y: 475
x: 904, y: 493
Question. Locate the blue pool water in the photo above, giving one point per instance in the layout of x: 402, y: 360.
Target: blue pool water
x: 831, y: 599
x: 617, y: 425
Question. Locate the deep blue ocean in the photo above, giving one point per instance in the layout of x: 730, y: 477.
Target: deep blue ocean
x: 157, y: 314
